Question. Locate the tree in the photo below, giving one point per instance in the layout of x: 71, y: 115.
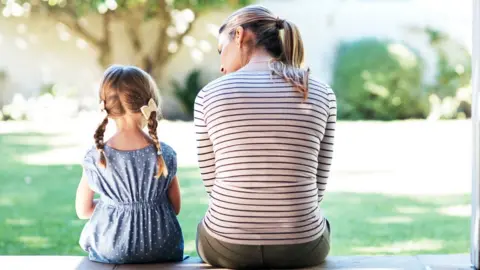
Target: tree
x: 450, y: 94
x: 186, y: 92
x: 173, y: 19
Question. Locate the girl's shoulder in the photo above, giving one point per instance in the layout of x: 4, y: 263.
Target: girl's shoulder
x: 91, y: 157
x: 167, y: 151
x: 170, y: 157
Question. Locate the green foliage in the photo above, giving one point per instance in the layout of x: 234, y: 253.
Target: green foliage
x: 151, y: 8
x: 173, y: 19
x: 208, y: 4
x: 450, y: 95
x: 379, y: 80
x: 187, y: 92
x: 49, y: 89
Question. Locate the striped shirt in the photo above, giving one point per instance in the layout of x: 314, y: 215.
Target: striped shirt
x: 264, y: 155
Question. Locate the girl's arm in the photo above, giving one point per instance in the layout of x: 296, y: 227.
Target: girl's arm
x: 84, y: 202
x: 174, y: 195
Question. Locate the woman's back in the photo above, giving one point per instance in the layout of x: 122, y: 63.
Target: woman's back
x: 133, y: 220
x: 265, y: 155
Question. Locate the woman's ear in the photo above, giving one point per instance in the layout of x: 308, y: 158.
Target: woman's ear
x: 239, y: 36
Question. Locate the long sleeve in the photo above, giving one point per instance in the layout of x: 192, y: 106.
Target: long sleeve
x: 206, y: 157
x: 326, y: 148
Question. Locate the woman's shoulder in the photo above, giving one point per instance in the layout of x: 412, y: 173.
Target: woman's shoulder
x: 216, y: 83
x: 321, y: 92
x: 319, y: 86
x: 233, y: 79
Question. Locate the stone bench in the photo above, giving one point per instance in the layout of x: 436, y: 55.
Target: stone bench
x: 424, y: 262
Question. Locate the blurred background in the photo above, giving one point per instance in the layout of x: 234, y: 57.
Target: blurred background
x: 400, y: 69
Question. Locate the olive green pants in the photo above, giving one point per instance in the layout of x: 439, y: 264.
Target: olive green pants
x: 234, y: 256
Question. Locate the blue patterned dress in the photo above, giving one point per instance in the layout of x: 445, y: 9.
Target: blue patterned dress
x: 134, y: 221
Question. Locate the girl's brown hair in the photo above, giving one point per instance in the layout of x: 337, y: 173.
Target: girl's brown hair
x: 287, y: 49
x: 126, y: 89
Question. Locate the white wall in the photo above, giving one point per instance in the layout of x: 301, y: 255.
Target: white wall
x: 36, y: 51
x: 32, y: 53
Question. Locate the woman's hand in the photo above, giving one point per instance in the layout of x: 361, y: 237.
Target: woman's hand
x: 174, y: 195
x: 84, y: 202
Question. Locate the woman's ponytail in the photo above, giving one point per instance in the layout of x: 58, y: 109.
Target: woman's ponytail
x: 289, y: 66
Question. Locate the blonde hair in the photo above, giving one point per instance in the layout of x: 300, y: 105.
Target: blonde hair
x: 128, y: 88
x: 287, y: 49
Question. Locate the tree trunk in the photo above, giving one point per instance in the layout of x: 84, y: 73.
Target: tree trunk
x: 153, y: 68
x: 153, y: 60
x: 147, y: 65
x: 104, y: 49
x: 105, y: 56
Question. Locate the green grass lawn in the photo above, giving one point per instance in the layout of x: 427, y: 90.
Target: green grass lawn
x: 37, y: 214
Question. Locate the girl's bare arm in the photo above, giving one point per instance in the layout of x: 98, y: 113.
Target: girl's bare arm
x: 174, y: 195
x: 84, y: 202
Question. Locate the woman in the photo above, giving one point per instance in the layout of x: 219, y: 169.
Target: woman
x: 265, y: 143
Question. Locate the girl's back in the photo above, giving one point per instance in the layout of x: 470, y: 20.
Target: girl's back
x: 133, y: 220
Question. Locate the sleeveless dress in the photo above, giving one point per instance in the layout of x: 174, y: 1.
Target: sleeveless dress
x: 133, y: 221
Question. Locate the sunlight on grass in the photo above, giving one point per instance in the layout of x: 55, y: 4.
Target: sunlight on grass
x: 407, y: 246
x: 55, y: 149
x: 192, y: 173
x: 34, y: 241
x: 456, y: 210
x: 67, y: 208
x: 411, y: 210
x: 190, y: 246
x: 77, y: 222
x: 56, y: 156
x: 41, y: 175
x: 391, y: 220
x: 195, y: 200
x: 6, y: 202
x: 19, y: 221
x: 53, y: 140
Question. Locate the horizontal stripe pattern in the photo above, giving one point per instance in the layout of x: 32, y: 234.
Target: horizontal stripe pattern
x: 264, y: 155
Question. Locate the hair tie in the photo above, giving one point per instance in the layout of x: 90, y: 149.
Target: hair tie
x: 279, y: 23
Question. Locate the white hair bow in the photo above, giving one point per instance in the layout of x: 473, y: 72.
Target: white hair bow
x: 148, y: 109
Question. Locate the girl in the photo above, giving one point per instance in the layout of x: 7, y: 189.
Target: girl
x: 134, y: 221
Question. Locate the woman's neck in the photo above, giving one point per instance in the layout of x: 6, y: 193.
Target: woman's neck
x: 259, y: 61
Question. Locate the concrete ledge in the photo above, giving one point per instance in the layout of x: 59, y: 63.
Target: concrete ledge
x: 424, y: 262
